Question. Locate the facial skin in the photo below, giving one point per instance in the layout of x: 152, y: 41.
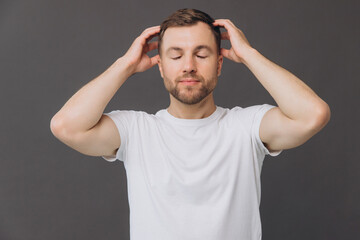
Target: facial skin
x: 189, y: 63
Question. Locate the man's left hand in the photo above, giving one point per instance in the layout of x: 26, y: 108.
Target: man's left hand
x: 239, y: 44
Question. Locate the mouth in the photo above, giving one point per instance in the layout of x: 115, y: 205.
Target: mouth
x: 189, y: 81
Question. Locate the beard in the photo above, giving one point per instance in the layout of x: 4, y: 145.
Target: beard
x: 190, y: 94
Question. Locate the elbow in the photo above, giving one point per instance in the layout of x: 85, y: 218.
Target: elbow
x: 55, y: 126
x: 321, y: 117
x: 58, y: 128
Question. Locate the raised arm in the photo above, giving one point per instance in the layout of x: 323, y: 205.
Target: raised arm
x: 300, y: 114
x: 80, y: 123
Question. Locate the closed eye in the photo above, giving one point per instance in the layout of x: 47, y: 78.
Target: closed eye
x: 174, y: 58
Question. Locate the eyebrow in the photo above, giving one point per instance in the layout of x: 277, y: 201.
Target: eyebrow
x: 198, y: 48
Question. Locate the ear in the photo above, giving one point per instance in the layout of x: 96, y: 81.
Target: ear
x: 160, y: 67
x: 219, y: 65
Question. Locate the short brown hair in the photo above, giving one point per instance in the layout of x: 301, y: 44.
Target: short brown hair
x: 188, y: 17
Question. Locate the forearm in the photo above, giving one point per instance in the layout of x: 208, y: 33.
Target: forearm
x: 295, y: 99
x: 84, y: 109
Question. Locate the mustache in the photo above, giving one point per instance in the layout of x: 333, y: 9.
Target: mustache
x: 193, y: 76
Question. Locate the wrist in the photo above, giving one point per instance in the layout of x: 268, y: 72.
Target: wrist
x: 249, y: 54
x: 125, y: 67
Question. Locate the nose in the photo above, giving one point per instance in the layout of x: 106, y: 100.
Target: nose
x: 189, y: 64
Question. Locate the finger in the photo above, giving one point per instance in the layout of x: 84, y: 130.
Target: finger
x: 147, y: 37
x: 150, y: 29
x: 225, y: 23
x: 154, y: 60
x: 152, y: 46
x: 149, y: 33
x: 151, y: 37
x: 219, y: 22
x: 222, y: 22
x: 225, y: 36
x: 225, y: 52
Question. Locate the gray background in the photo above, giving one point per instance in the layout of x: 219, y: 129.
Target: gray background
x: 50, y: 49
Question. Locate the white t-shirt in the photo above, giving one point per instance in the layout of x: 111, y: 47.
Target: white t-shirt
x: 193, y: 179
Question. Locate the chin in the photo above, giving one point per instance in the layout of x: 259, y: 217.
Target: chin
x: 191, y: 100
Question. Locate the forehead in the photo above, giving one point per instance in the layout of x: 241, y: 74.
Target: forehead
x: 188, y: 37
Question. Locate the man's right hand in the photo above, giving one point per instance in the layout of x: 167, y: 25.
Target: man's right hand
x: 137, y: 57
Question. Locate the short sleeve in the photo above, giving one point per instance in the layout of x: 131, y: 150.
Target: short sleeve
x: 259, y: 114
x: 123, y: 121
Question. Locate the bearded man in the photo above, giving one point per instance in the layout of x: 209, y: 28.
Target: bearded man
x: 193, y: 169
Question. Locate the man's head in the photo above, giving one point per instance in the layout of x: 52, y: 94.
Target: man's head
x: 188, y: 17
x: 190, y: 60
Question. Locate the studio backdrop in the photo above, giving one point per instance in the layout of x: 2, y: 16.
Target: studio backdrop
x: 50, y: 49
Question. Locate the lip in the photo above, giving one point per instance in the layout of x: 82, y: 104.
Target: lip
x: 189, y: 82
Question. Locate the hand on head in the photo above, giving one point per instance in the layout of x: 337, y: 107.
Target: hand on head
x: 137, y: 56
x: 239, y: 44
x: 139, y: 61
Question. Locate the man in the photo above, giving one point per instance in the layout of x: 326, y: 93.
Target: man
x: 193, y: 169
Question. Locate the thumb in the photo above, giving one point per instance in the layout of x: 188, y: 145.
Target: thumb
x: 225, y: 53
x: 154, y: 60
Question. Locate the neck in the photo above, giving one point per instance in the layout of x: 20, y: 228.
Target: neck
x: 200, y: 110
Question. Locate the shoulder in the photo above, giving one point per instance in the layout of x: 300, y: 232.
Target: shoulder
x: 129, y: 113
x: 130, y: 116
x: 246, y: 117
x: 250, y: 111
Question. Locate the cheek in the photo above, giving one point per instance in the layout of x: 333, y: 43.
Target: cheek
x: 210, y: 69
x: 170, y: 69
